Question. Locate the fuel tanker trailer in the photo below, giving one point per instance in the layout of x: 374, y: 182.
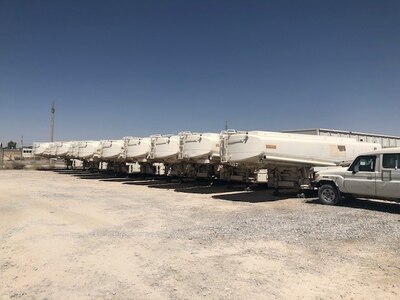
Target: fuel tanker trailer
x: 289, y: 157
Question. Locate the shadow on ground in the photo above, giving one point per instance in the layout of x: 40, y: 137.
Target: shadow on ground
x: 216, y: 188
x: 366, y: 204
x: 207, y: 189
x: 93, y: 176
x: 71, y: 172
x: 145, y: 181
x: 195, y: 187
x: 255, y: 196
x: 220, y: 190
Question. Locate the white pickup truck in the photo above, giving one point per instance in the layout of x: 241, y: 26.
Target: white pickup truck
x: 371, y: 175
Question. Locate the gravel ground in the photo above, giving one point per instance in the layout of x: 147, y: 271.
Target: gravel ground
x: 74, y: 235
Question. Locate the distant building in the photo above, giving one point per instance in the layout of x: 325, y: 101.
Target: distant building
x: 17, y: 154
x: 27, y: 153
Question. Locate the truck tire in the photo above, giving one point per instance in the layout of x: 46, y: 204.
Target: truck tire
x: 328, y: 194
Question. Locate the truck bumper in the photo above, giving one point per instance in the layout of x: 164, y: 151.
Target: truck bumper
x: 311, y: 186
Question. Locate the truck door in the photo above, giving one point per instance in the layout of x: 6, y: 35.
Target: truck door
x: 360, y: 179
x: 388, y: 182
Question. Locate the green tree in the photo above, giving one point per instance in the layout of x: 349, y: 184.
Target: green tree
x: 11, y: 145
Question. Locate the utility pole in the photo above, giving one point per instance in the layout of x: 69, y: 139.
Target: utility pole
x: 53, y: 110
x: 1, y: 156
x: 22, y: 147
x: 226, y: 125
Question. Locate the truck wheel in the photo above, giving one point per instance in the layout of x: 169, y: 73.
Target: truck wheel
x: 328, y: 194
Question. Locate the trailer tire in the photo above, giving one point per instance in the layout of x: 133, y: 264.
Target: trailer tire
x: 329, y: 194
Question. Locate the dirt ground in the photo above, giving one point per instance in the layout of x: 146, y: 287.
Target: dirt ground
x: 66, y: 235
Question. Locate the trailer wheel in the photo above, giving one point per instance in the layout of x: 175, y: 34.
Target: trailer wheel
x: 328, y: 194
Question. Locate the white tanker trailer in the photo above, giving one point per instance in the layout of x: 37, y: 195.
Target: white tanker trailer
x: 72, y: 157
x: 137, y: 150
x: 109, y: 150
x: 164, y: 151
x: 65, y: 150
x: 288, y: 157
x: 74, y: 151
x: 38, y: 149
x: 62, y: 151
x: 111, y: 154
x: 199, y: 147
x: 86, y: 153
x: 87, y: 149
x: 51, y: 151
x: 198, y: 155
x: 164, y: 148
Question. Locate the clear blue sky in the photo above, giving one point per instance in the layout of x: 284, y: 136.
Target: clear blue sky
x: 118, y: 68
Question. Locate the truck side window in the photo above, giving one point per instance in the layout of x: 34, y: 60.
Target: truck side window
x: 364, y: 164
x: 389, y: 161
